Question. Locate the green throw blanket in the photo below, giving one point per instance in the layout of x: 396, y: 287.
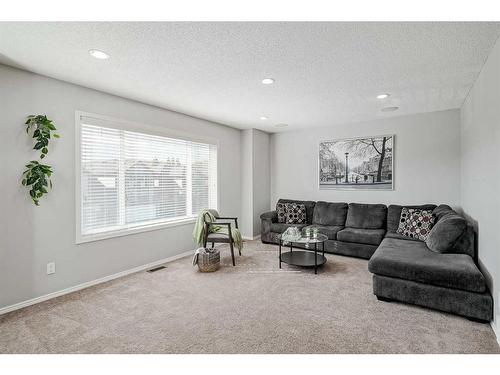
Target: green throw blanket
x: 199, y: 229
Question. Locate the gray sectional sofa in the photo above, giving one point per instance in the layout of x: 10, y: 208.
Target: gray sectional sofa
x: 352, y: 229
x: 404, y: 269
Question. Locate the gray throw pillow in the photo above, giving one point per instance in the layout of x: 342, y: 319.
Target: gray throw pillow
x: 446, y: 232
x: 295, y: 213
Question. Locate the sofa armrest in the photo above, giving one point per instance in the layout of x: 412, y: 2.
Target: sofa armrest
x: 271, y: 215
x: 267, y: 219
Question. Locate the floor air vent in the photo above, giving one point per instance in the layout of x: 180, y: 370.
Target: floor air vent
x: 156, y: 269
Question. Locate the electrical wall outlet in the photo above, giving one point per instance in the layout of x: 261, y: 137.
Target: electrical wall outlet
x: 51, y: 268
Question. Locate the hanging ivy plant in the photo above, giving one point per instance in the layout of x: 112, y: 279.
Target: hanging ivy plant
x: 37, y: 176
x: 42, y: 128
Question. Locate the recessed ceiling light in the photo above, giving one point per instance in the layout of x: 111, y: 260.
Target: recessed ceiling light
x: 383, y: 96
x: 263, y: 118
x: 280, y: 125
x: 389, y: 109
x: 98, y: 54
x: 268, y: 81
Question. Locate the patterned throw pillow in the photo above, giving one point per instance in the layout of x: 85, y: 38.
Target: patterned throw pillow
x: 295, y: 213
x: 280, y: 210
x: 415, y: 223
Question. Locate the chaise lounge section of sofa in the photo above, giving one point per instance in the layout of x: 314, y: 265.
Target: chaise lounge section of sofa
x: 404, y: 269
x: 407, y: 270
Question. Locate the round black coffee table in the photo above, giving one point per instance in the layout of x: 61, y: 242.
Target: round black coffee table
x: 308, y: 257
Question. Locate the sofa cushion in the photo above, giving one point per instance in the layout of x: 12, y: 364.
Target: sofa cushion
x: 399, y: 236
x: 394, y: 214
x: 446, y: 232
x: 328, y: 230
x: 441, y: 210
x: 352, y: 249
x: 366, y: 216
x: 309, y: 207
x: 412, y: 260
x: 465, y: 244
x: 415, y: 223
x: 358, y: 235
x: 327, y: 213
x: 281, y: 227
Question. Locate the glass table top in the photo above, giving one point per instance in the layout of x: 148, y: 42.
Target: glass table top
x: 304, y: 239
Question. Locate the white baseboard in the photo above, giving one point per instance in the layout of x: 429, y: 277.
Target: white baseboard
x: 251, y: 238
x: 496, y: 330
x: 75, y: 288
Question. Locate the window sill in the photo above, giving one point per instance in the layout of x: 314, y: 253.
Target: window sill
x: 80, y: 239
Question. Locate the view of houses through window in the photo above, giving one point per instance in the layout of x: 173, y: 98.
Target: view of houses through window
x: 130, y: 179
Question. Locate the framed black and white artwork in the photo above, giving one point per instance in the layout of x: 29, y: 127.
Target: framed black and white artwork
x: 365, y: 163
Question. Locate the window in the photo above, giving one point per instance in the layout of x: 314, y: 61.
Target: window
x: 131, y: 181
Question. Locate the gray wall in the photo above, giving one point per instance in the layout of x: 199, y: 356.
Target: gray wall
x: 480, y: 156
x: 32, y: 236
x: 261, y: 177
x: 256, y: 180
x: 246, y: 222
x: 427, y: 160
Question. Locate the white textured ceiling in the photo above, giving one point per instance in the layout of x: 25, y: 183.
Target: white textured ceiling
x: 326, y: 73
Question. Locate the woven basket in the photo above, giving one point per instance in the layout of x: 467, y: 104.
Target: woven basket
x: 209, y: 262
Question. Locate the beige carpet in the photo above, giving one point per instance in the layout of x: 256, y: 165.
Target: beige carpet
x: 251, y: 308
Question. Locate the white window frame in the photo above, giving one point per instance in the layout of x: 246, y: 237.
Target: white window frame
x: 158, y: 130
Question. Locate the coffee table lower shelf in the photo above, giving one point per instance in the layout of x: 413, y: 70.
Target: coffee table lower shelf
x: 303, y: 258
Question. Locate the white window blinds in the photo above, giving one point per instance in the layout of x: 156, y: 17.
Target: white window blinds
x: 131, y: 179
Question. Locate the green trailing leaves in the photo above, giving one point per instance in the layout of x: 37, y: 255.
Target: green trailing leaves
x: 42, y: 128
x: 36, y: 177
